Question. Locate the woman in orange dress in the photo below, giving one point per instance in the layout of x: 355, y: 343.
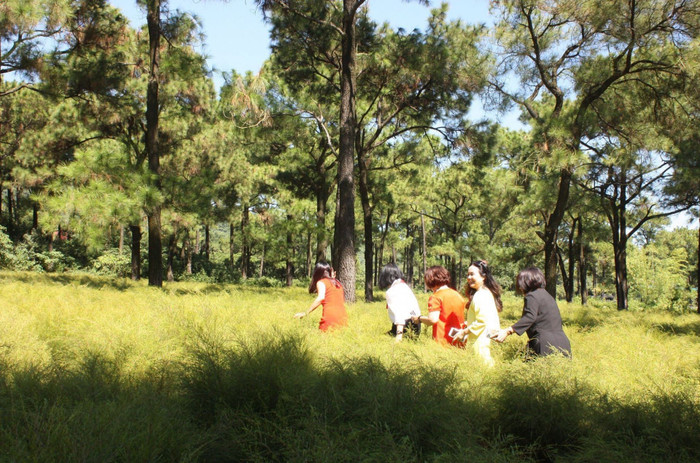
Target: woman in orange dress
x: 445, y: 306
x: 330, y: 296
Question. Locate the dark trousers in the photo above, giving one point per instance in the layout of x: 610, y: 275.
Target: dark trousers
x: 410, y: 329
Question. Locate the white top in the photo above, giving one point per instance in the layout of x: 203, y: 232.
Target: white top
x: 401, y: 303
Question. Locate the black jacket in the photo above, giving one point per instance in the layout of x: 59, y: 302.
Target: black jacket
x: 542, y: 322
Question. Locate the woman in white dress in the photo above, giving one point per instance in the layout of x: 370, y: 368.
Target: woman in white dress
x: 401, y: 303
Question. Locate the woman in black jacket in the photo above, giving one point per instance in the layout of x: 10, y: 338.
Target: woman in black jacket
x: 541, y: 318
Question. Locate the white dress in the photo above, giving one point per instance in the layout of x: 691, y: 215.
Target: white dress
x: 401, y: 303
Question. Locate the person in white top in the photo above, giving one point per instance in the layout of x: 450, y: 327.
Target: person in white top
x: 401, y: 303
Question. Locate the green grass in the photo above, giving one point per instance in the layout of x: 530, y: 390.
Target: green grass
x: 100, y: 369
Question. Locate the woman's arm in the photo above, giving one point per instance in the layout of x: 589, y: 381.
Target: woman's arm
x: 431, y: 319
x: 526, y: 320
x: 321, y: 289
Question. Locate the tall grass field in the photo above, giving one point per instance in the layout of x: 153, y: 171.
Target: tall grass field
x: 105, y: 370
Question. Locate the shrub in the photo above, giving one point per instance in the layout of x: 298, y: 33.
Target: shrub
x: 112, y: 262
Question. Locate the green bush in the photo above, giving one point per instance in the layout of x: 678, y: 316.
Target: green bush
x: 658, y: 279
x: 112, y: 262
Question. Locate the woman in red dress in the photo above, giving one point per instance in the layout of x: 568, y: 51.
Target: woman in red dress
x: 330, y: 296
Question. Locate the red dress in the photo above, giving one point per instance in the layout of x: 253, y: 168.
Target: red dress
x: 451, y: 306
x: 334, y: 314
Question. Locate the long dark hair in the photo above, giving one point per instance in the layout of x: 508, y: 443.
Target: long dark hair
x: 321, y: 271
x: 489, y: 281
x: 389, y: 274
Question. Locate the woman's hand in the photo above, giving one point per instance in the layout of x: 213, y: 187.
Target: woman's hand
x: 300, y: 315
x: 461, y: 335
x: 501, y: 335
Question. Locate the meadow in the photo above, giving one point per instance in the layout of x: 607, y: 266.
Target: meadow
x: 96, y: 369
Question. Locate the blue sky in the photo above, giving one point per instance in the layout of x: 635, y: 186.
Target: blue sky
x: 237, y: 38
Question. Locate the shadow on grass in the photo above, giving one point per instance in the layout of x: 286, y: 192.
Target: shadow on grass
x: 585, y: 320
x: 680, y: 328
x: 270, y: 401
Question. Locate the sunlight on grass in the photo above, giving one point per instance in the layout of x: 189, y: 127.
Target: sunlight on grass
x: 202, y: 372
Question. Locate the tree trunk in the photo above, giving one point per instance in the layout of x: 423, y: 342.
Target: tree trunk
x: 188, y: 249
x: 231, y: 244
x: 121, y: 239
x: 583, y: 290
x: 618, y: 224
x: 207, y: 242
x: 10, y: 223
x: 35, y: 216
x: 245, y: 248
x: 409, y: 256
x: 564, y: 274
x: 367, y: 222
x: 171, y: 255
x: 155, y: 245
x: 424, y: 252
x: 308, y: 255
x: 550, y: 232
x: 572, y: 261
x: 262, y: 261
x: 344, y: 239
x: 290, y: 255
x: 621, y: 273
x: 135, y: 252
x: 321, y: 207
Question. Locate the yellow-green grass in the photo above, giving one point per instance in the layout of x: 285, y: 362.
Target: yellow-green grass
x: 101, y: 369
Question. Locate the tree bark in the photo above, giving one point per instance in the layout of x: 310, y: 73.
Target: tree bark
x: 245, y: 248
x: 344, y: 240
x: 551, y: 230
x: 572, y: 261
x: 308, y: 255
x: 367, y: 222
x: 290, y: 255
x: 425, y: 258
x: 262, y: 261
x: 583, y: 289
x: 171, y: 255
x: 155, y: 245
x: 207, y: 241
x: 35, y: 216
x: 618, y: 223
x: 321, y: 208
x: 10, y: 222
x: 135, y: 252
x: 188, y: 249
x: 231, y: 244
x: 409, y: 256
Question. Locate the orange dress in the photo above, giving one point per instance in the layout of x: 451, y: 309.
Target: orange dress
x: 451, y: 306
x: 334, y: 314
